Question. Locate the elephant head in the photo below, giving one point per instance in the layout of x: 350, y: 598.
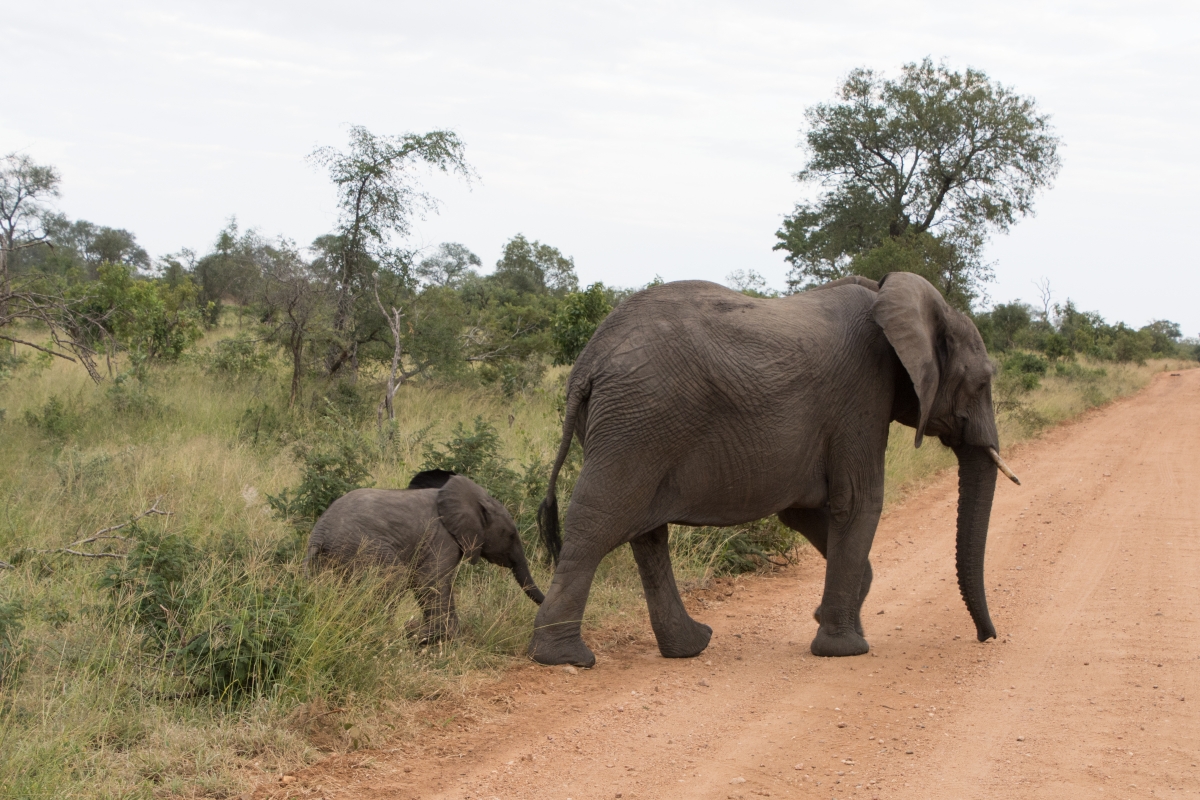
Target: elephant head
x: 480, y: 524
x: 951, y: 375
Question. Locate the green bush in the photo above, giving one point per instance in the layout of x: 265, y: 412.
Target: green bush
x: 745, y: 548
x: 577, y: 319
x: 476, y: 454
x: 1077, y: 372
x: 262, y: 424
x: 330, y: 469
x: 238, y: 357
x: 149, y: 586
x: 56, y: 419
x: 514, y: 376
x: 1027, y: 368
x: 130, y: 395
x: 248, y: 644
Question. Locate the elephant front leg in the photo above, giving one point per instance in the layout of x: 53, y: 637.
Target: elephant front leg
x: 848, y: 578
x: 813, y: 525
x: 678, y: 635
x: 439, y: 618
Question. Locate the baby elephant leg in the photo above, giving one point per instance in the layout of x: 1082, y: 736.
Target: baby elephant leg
x: 439, y: 619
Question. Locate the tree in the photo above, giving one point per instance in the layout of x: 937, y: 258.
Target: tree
x: 749, y: 282
x: 448, y: 266
x: 232, y: 269
x: 577, y: 319
x: 297, y: 305
x: 25, y: 188
x: 928, y: 164
x: 377, y: 199
x: 534, y: 268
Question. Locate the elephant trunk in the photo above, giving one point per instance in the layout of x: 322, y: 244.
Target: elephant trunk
x: 976, y: 487
x: 520, y: 569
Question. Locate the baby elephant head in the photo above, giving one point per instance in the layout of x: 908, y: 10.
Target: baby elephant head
x: 480, y: 524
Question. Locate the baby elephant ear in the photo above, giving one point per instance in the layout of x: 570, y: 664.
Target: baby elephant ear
x: 431, y: 479
x: 912, y: 314
x: 461, y: 505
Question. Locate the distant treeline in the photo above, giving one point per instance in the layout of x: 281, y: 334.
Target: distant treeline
x: 530, y: 312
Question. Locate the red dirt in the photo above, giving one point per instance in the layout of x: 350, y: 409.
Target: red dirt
x: 1091, y: 690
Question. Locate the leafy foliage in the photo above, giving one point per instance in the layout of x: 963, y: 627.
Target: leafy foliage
x: 577, y: 319
x: 238, y: 357
x: 1028, y: 368
x: 149, y: 586
x: 476, y: 454
x: 933, y: 160
x: 534, y: 268
x: 745, y: 548
x: 248, y: 645
x: 331, y: 468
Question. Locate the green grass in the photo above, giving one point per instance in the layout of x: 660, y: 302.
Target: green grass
x: 99, y: 696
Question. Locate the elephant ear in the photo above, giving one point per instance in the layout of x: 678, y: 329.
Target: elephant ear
x: 912, y: 315
x: 431, y: 479
x: 463, y: 508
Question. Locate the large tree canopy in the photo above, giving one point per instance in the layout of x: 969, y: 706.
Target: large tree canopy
x: 926, y: 165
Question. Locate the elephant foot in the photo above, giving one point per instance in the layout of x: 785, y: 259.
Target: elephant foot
x: 845, y: 642
x: 694, y: 639
x: 427, y: 632
x: 550, y: 652
x: 858, y: 628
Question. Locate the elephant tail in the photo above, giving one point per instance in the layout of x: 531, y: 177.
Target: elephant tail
x: 547, y: 516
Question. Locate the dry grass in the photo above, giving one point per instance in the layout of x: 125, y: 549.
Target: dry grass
x: 93, y: 712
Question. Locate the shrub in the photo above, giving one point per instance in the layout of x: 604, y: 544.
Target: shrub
x: 1077, y: 372
x: 514, y: 376
x: 56, y: 419
x: 238, y: 357
x: 262, y: 424
x: 577, y: 319
x: 1027, y: 367
x: 129, y: 394
x: 745, y: 548
x: 247, y: 646
x: 476, y: 454
x: 331, y: 469
x: 149, y: 586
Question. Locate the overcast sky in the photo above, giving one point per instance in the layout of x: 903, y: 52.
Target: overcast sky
x: 639, y: 138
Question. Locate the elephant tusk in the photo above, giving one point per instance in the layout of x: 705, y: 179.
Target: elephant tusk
x: 1003, y: 467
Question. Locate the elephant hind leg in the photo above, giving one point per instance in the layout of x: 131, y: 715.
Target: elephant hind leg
x: 813, y: 525
x: 678, y: 635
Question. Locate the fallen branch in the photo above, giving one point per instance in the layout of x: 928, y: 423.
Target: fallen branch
x: 6, y: 565
x: 68, y: 551
x: 101, y: 534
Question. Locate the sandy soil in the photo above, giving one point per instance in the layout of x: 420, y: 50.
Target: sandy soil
x: 1092, y: 689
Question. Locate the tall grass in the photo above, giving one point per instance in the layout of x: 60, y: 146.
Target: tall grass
x: 116, y: 681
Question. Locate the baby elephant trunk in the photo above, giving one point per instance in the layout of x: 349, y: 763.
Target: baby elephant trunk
x: 520, y: 569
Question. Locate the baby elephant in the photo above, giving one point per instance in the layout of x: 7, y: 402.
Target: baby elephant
x: 440, y: 519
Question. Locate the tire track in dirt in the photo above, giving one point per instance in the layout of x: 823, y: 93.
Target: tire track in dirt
x: 1091, y: 690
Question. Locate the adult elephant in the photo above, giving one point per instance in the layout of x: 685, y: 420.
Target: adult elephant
x: 698, y: 405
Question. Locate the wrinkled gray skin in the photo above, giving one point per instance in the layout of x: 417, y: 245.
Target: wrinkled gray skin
x: 697, y: 405
x: 427, y: 532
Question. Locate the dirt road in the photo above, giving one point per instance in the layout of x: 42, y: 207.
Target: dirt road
x: 1092, y: 690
